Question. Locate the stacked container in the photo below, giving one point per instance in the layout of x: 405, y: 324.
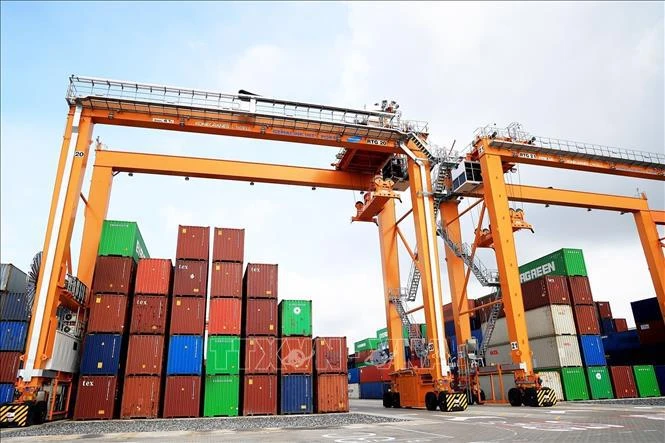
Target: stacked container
x: 15, y: 310
x: 144, y: 368
x: 649, y: 322
x: 259, y: 354
x: 187, y: 323
x: 331, y: 391
x: 222, y: 382
x: 295, y: 357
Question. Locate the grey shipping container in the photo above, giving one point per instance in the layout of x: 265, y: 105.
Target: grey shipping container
x: 12, y: 279
x: 548, y: 352
x: 540, y: 322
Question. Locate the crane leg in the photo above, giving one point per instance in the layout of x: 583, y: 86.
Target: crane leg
x: 646, y: 228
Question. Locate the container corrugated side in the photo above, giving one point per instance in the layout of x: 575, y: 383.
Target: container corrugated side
x: 600, y: 383
x: 66, y: 353
x: 260, y: 355
x: 548, y: 352
x: 604, y: 309
x: 15, y: 306
x: 190, y: 278
x: 108, y: 313
x: 574, y: 384
x: 547, y: 290
x: 13, y: 335
x: 296, y: 394
x: 226, y: 280
x: 295, y: 318
x: 295, y: 355
x: 122, y: 238
x: 372, y: 374
x: 9, y: 362
x: 185, y: 355
x: 12, y: 279
x: 330, y: 355
x: 354, y: 375
x: 586, y: 319
x: 154, y: 276
x: 331, y: 393
x: 620, y: 324
x: 593, y: 353
x: 6, y: 392
x: 149, y: 314
x: 225, y: 316
x: 492, y: 385
x: 540, y: 322
x: 580, y: 290
x: 188, y: 316
x: 552, y: 380
x: 646, y: 381
x: 96, y: 398
x: 368, y: 344
x: 260, y: 280
x: 562, y: 262
x: 259, y: 395
x: 114, y: 275
x: 623, y: 381
x: 101, y: 354
x: 228, y: 245
x: 260, y: 316
x: 354, y: 391
x: 646, y: 310
x: 193, y: 243
x: 145, y: 355
x: 182, y: 394
x: 223, y: 355
x: 372, y: 390
x: 141, y: 397
x: 222, y: 396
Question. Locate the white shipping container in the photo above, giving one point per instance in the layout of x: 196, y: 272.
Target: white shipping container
x: 552, y: 380
x: 540, y: 322
x: 548, y: 352
x: 354, y: 390
x: 66, y: 353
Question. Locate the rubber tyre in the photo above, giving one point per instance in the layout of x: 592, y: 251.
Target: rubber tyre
x: 431, y: 402
x: 442, y: 401
x: 530, y: 397
x: 470, y: 398
x: 388, y: 400
x: 482, y: 396
x: 396, y: 402
x: 552, y: 395
x: 515, y: 397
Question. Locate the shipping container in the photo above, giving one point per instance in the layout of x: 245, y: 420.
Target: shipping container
x: 190, y: 278
x: 548, y: 352
x: 121, y: 238
x: 372, y: 390
x: 185, y: 355
x: 574, y: 384
x: 6, y: 392
x: 114, y: 275
x: 260, y: 355
x: 496, y: 387
x: 222, y: 395
x: 543, y: 291
x: 354, y: 375
x: 593, y: 353
x: 225, y: 316
x: 600, y: 382
x: 620, y: 325
x: 331, y: 393
x: 66, y: 353
x: 562, y: 262
x: 354, y: 391
x: 646, y: 310
x: 188, y: 316
x: 141, y: 397
x: 651, y: 333
x: 660, y: 376
x: 153, y: 276
x: 363, y: 357
x: 607, y: 326
x: 101, y: 354
x: 9, y: 364
x: 259, y: 395
x: 182, y: 396
x: 12, y: 279
x: 586, y: 320
x: 604, y: 309
x: 15, y: 306
x: 621, y: 341
x: 96, y: 397
x: 646, y: 381
x: 193, y: 243
x: 228, y: 245
x: 223, y: 356
x: 149, y: 314
x: 540, y: 322
x: 368, y: 344
x: 145, y: 355
x: 623, y: 381
x: 580, y: 291
x: 260, y: 316
x: 552, y: 380
x: 296, y: 394
x: 260, y: 281
x: 330, y: 355
x: 372, y: 374
x: 295, y: 355
x: 226, y: 280
x: 13, y: 335
x: 295, y: 318
x: 108, y: 313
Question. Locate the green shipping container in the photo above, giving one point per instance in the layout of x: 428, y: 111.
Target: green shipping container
x: 369, y: 344
x: 599, y: 382
x: 382, y: 334
x: 645, y: 379
x: 423, y: 330
x: 223, y: 355
x: 562, y: 262
x: 122, y: 238
x: 574, y: 384
x: 222, y: 394
x: 295, y: 317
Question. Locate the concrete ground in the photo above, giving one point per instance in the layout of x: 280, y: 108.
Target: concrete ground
x: 600, y: 422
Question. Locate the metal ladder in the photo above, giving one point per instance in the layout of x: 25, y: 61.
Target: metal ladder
x: 491, y: 323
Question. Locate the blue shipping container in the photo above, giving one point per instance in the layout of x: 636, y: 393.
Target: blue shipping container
x: 660, y: 376
x: 101, y: 354
x: 297, y: 396
x: 607, y: 326
x: 13, y: 335
x: 185, y: 355
x: 6, y: 393
x: 449, y: 327
x: 14, y: 307
x: 478, y: 333
x: 593, y: 353
x: 646, y: 310
x: 354, y: 375
x: 621, y: 341
x: 374, y: 390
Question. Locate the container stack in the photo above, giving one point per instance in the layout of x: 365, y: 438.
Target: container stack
x: 104, y: 347
x: 187, y: 323
x: 222, y: 382
x: 331, y: 386
x: 15, y: 311
x: 259, y: 377
x: 144, y: 367
x: 295, y: 357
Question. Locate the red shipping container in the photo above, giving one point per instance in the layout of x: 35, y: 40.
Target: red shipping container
x: 331, y: 393
x: 145, y: 355
x: 620, y: 324
x: 259, y: 395
x: 193, y: 243
x: 580, y: 290
x: 586, y: 320
x: 114, y: 275
x: 260, y: 316
x: 371, y: 374
x: 225, y: 316
x: 188, y: 316
x: 9, y: 363
x: 604, y: 309
x: 330, y: 355
x: 182, y: 396
x: 96, y: 397
x: 260, y: 355
x: 543, y: 291
x: 191, y: 278
x: 140, y: 397
x: 228, y: 245
x: 651, y: 333
x: 295, y: 355
x: 226, y: 280
x: 623, y: 381
x: 448, y: 310
x: 108, y: 313
x: 153, y: 276
x: 149, y: 314
x: 364, y: 357
x: 260, y: 281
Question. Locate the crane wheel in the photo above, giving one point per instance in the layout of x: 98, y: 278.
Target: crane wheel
x: 515, y: 397
x: 546, y: 397
x: 530, y: 397
x: 396, y: 403
x: 431, y: 402
x: 388, y: 399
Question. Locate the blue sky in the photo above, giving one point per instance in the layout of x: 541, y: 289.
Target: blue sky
x: 590, y: 72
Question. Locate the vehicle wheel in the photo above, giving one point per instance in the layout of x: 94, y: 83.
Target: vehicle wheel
x: 396, y: 402
x: 482, y: 396
x: 470, y: 398
x: 550, y: 397
x: 530, y: 397
x: 515, y: 397
x: 431, y: 402
x: 388, y: 400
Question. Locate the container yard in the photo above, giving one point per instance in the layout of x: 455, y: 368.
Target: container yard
x: 201, y: 262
